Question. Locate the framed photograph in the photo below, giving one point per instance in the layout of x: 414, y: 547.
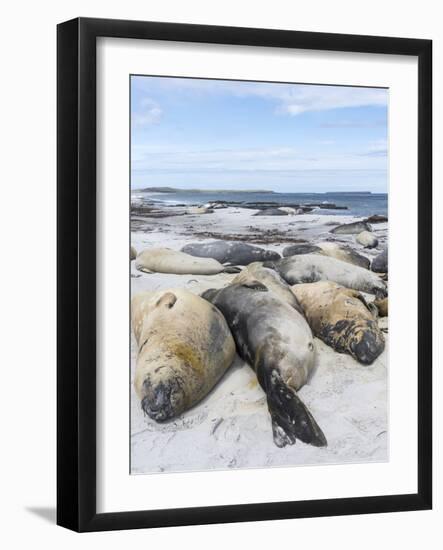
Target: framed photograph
x: 236, y: 209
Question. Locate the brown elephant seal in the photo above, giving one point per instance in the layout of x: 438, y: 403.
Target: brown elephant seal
x: 367, y: 239
x: 353, y: 228
x: 342, y: 319
x: 382, y: 307
x: 277, y: 342
x: 376, y: 218
x: 230, y: 252
x: 199, y: 210
x: 133, y: 253
x: 271, y: 279
x: 165, y: 260
x: 310, y: 268
x: 184, y: 347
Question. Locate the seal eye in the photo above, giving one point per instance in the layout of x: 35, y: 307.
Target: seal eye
x: 311, y: 346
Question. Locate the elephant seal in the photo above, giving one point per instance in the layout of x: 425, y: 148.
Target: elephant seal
x: 289, y: 210
x: 184, y: 347
x: 277, y: 342
x: 271, y: 212
x: 310, y: 268
x: 294, y: 249
x: 271, y: 279
x: 342, y: 319
x: 199, y: 210
x: 334, y: 250
x: 382, y: 307
x: 133, y: 253
x: 367, y: 239
x: 376, y: 218
x: 351, y: 228
x: 165, y: 260
x: 380, y: 262
x: 234, y: 253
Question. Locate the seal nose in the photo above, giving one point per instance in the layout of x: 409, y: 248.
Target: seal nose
x: 157, y: 404
x: 368, y: 347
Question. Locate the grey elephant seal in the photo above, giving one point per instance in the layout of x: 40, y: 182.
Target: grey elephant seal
x: 271, y: 212
x: 380, y: 262
x: 276, y: 341
x: 271, y: 279
x: 342, y: 319
x: 133, y: 253
x: 334, y: 250
x: 367, y: 239
x: 310, y: 268
x: 165, y: 260
x: 294, y: 249
x: 234, y: 253
x: 184, y: 347
x: 353, y: 228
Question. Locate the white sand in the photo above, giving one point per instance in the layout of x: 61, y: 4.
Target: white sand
x: 231, y: 427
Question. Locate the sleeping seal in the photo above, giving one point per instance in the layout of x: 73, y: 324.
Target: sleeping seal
x: 351, y: 228
x: 342, y: 319
x: 380, y: 262
x: 367, y: 239
x: 133, y: 253
x: 184, y: 347
x: 165, y: 260
x: 276, y: 341
x: 234, y: 253
x: 334, y: 250
x: 271, y: 279
x: 310, y: 268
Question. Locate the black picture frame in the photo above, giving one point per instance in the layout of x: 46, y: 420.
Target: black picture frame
x: 76, y: 280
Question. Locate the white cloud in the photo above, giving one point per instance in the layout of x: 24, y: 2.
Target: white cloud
x: 291, y: 99
x: 149, y: 113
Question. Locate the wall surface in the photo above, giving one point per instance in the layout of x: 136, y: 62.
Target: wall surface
x: 28, y: 117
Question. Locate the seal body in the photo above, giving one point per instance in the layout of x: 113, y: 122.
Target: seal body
x: 234, y: 253
x: 382, y: 307
x: 342, y: 319
x: 164, y: 260
x: 133, y: 253
x: 277, y: 342
x: 294, y: 249
x: 310, y: 268
x: 334, y: 250
x: 199, y: 210
x: 367, y: 239
x: 271, y: 279
x: 353, y: 228
x: 271, y: 212
x: 380, y: 262
x: 184, y: 347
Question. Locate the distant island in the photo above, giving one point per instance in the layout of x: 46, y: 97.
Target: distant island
x: 178, y: 190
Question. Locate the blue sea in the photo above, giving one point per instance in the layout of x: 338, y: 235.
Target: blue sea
x: 359, y: 204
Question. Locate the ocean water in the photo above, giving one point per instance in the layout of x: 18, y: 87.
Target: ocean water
x: 359, y: 204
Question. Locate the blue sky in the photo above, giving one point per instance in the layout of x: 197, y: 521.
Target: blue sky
x: 219, y: 134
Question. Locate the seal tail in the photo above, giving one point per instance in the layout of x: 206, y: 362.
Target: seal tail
x: 291, y: 419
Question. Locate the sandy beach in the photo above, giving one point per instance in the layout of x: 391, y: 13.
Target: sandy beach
x: 231, y: 427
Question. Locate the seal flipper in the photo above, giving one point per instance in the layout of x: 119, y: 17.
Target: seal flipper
x: 232, y: 269
x: 291, y: 418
